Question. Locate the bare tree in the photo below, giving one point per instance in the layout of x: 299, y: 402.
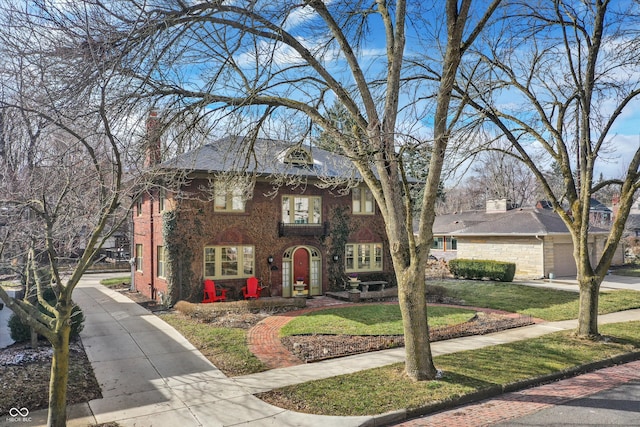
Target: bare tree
x: 505, y: 177
x: 270, y: 61
x: 571, y: 70
x: 63, y: 160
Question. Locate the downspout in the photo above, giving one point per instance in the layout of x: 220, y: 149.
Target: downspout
x: 151, y: 251
x: 132, y: 253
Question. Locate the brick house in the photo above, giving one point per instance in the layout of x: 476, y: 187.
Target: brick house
x: 535, y: 239
x: 295, y: 213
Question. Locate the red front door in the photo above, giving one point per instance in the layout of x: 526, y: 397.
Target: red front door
x: 301, y: 265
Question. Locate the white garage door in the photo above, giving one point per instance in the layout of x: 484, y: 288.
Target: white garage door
x: 564, y: 264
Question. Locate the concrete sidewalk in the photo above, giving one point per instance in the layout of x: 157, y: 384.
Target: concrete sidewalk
x: 152, y: 376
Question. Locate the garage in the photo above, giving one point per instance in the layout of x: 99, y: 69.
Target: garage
x: 563, y: 262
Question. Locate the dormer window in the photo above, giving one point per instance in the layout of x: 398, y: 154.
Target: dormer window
x: 299, y: 156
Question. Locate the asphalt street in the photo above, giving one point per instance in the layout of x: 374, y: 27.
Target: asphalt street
x: 619, y: 406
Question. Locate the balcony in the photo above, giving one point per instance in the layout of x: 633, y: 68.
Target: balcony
x: 287, y: 229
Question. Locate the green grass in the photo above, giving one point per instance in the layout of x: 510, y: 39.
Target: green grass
x: 374, y: 319
x: 632, y: 270
x: 386, y: 389
x: 544, y: 303
x: 116, y: 281
x: 225, y: 347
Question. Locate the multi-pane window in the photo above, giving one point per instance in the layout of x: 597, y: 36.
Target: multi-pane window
x: 301, y: 210
x: 139, y: 257
x: 228, y: 197
x: 363, y: 257
x: 446, y: 243
x: 229, y: 261
x: 139, y: 206
x: 161, y: 200
x: 362, y: 201
x: 161, y: 261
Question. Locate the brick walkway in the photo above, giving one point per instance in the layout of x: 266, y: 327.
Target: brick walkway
x: 264, y: 340
x: 265, y: 343
x: 525, y: 402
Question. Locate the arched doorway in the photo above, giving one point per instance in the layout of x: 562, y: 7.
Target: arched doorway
x: 301, y: 262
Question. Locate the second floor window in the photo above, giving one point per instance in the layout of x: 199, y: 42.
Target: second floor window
x: 228, y: 197
x: 161, y: 200
x: 301, y: 210
x: 139, y: 206
x: 362, y: 201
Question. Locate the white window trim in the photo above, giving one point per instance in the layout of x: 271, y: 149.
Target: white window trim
x: 161, y: 262
x: 231, y: 192
x: 242, y: 259
x: 364, y: 191
x: 139, y: 257
x: 292, y: 209
x: 372, y: 267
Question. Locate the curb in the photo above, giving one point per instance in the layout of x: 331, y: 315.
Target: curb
x: 394, y: 417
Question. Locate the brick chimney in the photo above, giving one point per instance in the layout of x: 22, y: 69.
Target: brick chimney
x: 152, y: 140
x: 498, y: 205
x: 615, y: 206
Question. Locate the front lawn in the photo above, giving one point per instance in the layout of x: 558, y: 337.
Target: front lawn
x: 373, y: 319
x: 387, y: 388
x: 544, y: 303
x: 116, y: 282
x: 225, y: 347
x: 632, y: 270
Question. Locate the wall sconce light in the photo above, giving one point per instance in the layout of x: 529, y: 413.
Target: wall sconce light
x: 336, y: 258
x: 270, y: 259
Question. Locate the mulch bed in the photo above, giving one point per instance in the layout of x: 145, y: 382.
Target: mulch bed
x: 24, y: 377
x: 313, y: 348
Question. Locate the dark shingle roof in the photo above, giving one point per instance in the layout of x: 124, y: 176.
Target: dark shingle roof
x: 522, y: 222
x: 595, y: 205
x: 264, y: 156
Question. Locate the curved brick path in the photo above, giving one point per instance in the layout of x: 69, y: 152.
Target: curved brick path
x: 264, y: 340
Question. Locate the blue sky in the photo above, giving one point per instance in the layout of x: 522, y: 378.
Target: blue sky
x: 624, y: 138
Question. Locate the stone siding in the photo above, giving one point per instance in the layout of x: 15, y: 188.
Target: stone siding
x: 525, y: 252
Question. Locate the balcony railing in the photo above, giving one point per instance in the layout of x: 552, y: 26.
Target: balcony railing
x: 287, y: 229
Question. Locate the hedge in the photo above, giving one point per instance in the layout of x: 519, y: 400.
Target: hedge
x: 20, y: 331
x: 481, y: 269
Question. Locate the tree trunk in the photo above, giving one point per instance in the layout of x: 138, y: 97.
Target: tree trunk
x: 34, y: 338
x: 413, y: 305
x: 59, y: 378
x: 588, y: 312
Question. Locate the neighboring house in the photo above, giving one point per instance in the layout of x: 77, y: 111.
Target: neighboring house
x: 599, y: 214
x: 535, y: 239
x: 290, y: 218
x: 632, y: 226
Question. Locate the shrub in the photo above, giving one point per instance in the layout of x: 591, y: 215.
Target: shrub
x: 22, y: 332
x: 480, y: 269
x: 437, y: 291
x: 207, y: 312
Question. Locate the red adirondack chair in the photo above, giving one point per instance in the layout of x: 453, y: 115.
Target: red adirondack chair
x: 211, y: 294
x: 252, y: 290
